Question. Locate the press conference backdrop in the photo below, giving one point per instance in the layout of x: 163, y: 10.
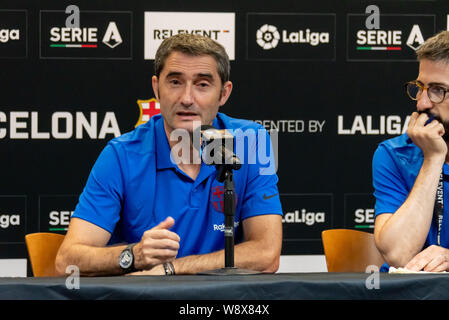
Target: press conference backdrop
x: 315, y: 71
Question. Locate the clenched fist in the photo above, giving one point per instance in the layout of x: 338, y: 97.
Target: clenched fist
x: 427, y: 137
x: 158, y: 245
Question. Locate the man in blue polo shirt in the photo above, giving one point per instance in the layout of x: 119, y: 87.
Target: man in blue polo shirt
x: 144, y: 210
x: 410, y: 172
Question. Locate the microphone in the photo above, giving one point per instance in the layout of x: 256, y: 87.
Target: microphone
x: 217, y: 147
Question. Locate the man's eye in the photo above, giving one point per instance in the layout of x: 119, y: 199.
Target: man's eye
x: 203, y: 84
x: 437, y: 89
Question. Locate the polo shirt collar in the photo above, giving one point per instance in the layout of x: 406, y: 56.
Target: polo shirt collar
x: 163, y: 160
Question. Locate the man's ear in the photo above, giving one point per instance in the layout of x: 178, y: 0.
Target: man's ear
x: 225, y: 92
x: 155, y: 84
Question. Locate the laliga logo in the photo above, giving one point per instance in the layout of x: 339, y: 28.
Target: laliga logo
x: 268, y: 37
x: 308, y: 218
x: 6, y: 35
x: 7, y: 220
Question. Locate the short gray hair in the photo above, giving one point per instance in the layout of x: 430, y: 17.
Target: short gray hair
x: 195, y: 45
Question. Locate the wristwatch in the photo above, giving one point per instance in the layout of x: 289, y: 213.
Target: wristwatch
x: 126, y: 260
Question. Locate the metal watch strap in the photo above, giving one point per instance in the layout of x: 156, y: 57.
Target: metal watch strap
x: 169, y: 269
x: 131, y: 268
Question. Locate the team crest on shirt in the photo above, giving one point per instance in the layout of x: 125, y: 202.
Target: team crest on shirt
x: 217, y: 198
x: 148, y: 108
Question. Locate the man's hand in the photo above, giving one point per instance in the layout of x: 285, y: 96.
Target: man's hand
x: 432, y: 259
x: 158, y: 245
x: 427, y: 137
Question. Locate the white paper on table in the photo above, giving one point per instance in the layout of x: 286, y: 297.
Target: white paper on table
x: 403, y: 270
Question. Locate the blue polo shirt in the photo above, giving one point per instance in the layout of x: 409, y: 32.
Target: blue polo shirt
x: 396, y: 164
x: 134, y: 185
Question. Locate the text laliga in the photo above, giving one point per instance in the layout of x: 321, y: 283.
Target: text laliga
x: 6, y: 35
x: 309, y: 218
x: 7, y: 220
x: 313, y: 38
x: 368, y: 125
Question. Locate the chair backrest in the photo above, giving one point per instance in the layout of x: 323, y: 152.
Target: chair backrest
x: 350, y: 250
x: 42, y: 249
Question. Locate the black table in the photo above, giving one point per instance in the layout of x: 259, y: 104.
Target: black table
x: 282, y: 286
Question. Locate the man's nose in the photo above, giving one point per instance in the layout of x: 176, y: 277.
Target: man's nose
x: 424, y: 103
x: 187, y: 95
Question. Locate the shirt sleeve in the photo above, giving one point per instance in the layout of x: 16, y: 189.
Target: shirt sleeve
x: 262, y: 194
x: 101, y: 199
x: 390, y: 189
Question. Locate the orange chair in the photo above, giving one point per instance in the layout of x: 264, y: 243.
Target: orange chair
x: 42, y: 249
x: 350, y: 250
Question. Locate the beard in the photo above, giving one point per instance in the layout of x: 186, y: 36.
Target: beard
x: 438, y: 118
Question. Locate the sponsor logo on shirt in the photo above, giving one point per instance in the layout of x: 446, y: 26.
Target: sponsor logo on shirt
x: 221, y: 227
x: 217, y: 198
x: 267, y: 197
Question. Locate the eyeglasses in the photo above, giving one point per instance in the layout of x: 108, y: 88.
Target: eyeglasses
x: 436, y: 93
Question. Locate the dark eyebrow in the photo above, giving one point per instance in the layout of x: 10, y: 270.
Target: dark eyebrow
x: 439, y: 84
x: 205, y: 75
x: 174, y: 74
x: 199, y: 75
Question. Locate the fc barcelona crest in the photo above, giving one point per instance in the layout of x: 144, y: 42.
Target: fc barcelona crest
x: 148, y: 108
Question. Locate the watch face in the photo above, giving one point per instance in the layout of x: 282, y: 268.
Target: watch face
x: 126, y: 259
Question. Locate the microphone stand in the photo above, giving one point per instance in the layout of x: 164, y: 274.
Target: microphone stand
x: 225, y: 174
